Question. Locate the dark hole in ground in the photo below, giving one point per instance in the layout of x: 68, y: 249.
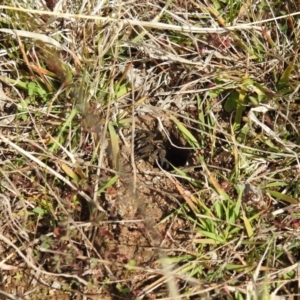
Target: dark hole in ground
x: 153, y: 146
x: 176, y: 156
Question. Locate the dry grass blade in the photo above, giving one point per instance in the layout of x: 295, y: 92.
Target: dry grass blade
x: 41, y: 164
x: 40, y: 37
x: 149, y: 150
x: 30, y: 264
x: 114, y: 146
x: 142, y: 24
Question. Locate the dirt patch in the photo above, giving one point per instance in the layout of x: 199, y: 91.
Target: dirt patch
x: 143, y: 207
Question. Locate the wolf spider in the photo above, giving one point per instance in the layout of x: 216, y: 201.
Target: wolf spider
x: 147, y: 146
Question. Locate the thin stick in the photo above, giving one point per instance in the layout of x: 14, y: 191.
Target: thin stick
x: 158, y: 25
x: 50, y: 170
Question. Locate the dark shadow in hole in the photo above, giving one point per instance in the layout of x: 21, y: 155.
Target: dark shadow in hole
x: 176, y: 156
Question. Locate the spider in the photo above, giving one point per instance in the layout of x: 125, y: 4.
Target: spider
x: 146, y: 146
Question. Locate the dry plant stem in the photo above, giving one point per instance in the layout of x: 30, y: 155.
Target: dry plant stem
x: 60, y: 90
x: 103, y: 146
x: 4, y: 266
x: 188, y: 198
x: 31, y: 265
x: 59, y: 176
x: 10, y: 296
x: 24, y: 55
x: 11, y: 187
x: 41, y: 37
x: 16, y: 227
x: 156, y: 19
x: 132, y: 139
x: 157, y: 25
x: 165, y: 262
